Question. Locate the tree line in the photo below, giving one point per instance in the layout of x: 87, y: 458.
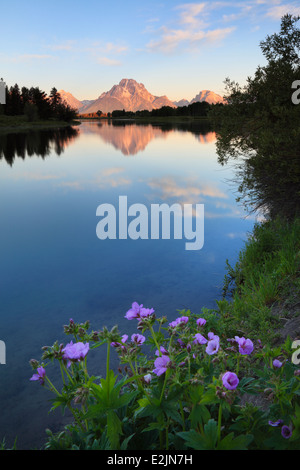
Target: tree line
x: 35, y: 104
x: 199, y: 109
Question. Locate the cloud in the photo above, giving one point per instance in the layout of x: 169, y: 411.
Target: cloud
x: 189, y: 190
x: 192, y: 30
x: 75, y: 185
x: 112, y: 177
x: 277, y: 12
x: 37, y: 176
x: 29, y: 57
x: 107, y: 53
x: 65, y: 46
x: 190, y: 14
x: 107, y: 61
x: 115, y: 48
x: 172, y: 39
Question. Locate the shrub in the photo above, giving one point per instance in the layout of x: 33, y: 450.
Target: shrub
x: 188, y: 392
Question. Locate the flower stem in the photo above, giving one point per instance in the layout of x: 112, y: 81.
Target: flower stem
x: 52, y: 386
x: 154, y: 337
x: 107, y: 369
x: 219, y: 422
x: 164, y: 386
x: 238, y: 365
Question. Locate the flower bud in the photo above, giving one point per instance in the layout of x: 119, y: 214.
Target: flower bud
x: 34, y: 363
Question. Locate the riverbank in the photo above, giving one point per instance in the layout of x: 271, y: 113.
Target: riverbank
x: 150, y: 119
x: 20, y: 123
x: 262, y: 290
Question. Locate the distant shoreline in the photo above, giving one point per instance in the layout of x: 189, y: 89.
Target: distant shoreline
x: 157, y: 119
x: 19, y: 123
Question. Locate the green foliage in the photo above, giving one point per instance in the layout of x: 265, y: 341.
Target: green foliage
x: 188, y: 405
x: 267, y: 271
x: 259, y: 127
x: 197, y: 109
x: 35, y: 104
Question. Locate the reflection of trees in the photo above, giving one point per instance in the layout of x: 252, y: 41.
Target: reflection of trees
x: 35, y: 142
x: 195, y: 127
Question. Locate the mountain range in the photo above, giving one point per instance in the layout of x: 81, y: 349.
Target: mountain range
x: 132, y: 96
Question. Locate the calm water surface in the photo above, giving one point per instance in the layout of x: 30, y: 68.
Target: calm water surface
x: 53, y: 267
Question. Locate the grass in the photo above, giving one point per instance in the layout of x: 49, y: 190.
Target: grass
x: 265, y: 275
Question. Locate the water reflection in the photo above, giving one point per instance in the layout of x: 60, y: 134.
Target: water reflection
x: 35, y: 142
x: 127, y: 136
x: 53, y: 267
x: 133, y: 137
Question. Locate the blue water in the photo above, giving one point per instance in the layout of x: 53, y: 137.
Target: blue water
x: 53, y: 267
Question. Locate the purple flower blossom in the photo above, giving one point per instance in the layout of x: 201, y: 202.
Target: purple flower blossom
x: 138, y: 339
x: 245, y: 345
x: 134, y: 311
x: 199, y: 339
x: 275, y: 423
x: 161, y: 364
x: 146, y: 312
x: 212, y: 336
x: 286, y: 432
x: 115, y: 344
x: 179, y: 321
x: 201, y: 321
x: 75, y: 352
x: 277, y: 363
x: 163, y: 351
x: 138, y: 311
x: 212, y: 347
x: 230, y: 380
x: 40, y: 376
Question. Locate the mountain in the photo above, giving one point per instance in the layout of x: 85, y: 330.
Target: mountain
x: 181, y: 103
x: 70, y: 99
x: 208, y: 96
x: 132, y: 96
x: 129, y: 95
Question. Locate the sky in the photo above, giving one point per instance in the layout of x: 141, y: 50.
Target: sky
x: 174, y: 48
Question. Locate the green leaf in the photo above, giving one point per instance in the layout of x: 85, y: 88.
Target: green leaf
x: 193, y: 440
x: 199, y: 415
x: 114, y: 429
x: 235, y: 443
x: 211, y: 433
x: 197, y: 441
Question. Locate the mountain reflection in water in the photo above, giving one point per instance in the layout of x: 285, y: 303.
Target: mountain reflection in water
x: 131, y: 137
x: 127, y: 136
